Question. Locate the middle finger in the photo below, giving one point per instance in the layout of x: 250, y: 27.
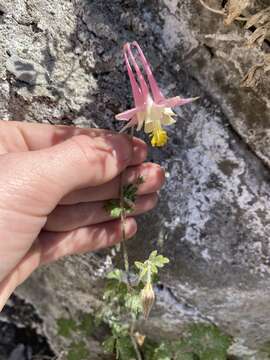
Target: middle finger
x: 153, y: 176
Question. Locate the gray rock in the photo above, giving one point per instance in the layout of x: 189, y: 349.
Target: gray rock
x: 17, y: 353
x: 26, y: 72
x: 213, y: 217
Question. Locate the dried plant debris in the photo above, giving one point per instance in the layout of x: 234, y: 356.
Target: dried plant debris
x: 255, y: 73
x: 261, y: 21
x: 259, y: 35
x: 259, y: 26
x: 234, y: 9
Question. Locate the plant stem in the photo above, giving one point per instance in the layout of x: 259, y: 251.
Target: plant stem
x: 123, y: 232
x: 125, y: 253
x: 149, y: 278
x: 123, y: 218
x: 134, y: 342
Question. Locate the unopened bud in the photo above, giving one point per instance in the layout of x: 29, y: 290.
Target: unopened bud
x: 148, y: 299
x: 139, y: 338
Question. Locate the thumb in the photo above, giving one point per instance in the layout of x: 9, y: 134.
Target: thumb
x: 49, y: 174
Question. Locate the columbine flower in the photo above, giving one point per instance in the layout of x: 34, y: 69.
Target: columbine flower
x: 151, y: 109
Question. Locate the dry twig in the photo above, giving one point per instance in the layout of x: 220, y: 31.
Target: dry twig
x: 234, y: 8
x: 222, y: 12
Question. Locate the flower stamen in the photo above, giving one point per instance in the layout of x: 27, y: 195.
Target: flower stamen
x: 158, y: 136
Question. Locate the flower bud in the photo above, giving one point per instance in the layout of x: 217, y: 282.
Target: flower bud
x: 148, y: 299
x: 139, y: 338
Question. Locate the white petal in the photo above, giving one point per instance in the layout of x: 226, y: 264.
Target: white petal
x: 167, y: 120
x: 156, y: 112
x: 148, y: 127
x: 141, y: 119
x: 168, y: 111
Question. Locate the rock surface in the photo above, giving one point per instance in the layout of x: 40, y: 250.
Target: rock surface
x: 60, y: 62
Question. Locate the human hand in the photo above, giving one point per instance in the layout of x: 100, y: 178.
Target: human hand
x: 54, y: 181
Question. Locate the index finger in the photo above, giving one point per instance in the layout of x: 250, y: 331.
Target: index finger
x: 35, y: 136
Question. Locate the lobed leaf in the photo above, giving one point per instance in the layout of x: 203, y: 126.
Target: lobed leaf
x: 78, y: 351
x: 143, y: 273
x: 66, y: 327
x: 125, y: 349
x: 116, y: 274
x: 160, y: 261
x: 109, y: 345
x: 139, y: 265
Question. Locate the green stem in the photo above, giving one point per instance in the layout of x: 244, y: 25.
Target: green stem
x: 123, y: 218
x: 149, y: 278
x: 123, y: 232
x: 134, y: 342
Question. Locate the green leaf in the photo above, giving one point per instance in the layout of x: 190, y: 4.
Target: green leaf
x: 153, y: 255
x: 129, y: 192
x: 78, y: 351
x: 154, y: 269
x: 163, y: 352
x: 65, y: 327
x: 116, y: 212
x: 205, y: 341
x: 143, y: 273
x: 183, y: 351
x: 87, y: 324
x: 214, y: 354
x: 148, y: 349
x: 115, y: 290
x: 134, y: 303
x: 125, y: 348
x: 109, y: 345
x: 160, y: 261
x: 113, y: 208
x: 208, y: 337
x: 120, y: 329
x: 187, y: 356
x: 151, y: 265
x: 139, y: 265
x: 116, y: 274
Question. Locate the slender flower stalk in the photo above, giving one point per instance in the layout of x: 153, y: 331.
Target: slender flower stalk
x: 152, y: 110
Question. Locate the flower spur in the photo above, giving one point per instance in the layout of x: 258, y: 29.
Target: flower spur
x: 151, y: 109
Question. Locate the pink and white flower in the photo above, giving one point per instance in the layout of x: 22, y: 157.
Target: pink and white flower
x: 151, y: 109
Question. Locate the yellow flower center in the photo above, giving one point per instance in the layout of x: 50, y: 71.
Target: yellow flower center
x: 153, y: 119
x: 159, y: 137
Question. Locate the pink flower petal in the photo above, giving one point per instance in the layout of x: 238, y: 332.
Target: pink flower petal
x: 176, y: 101
x: 157, y: 94
x: 144, y: 87
x: 127, y: 115
x: 136, y: 91
x: 132, y: 122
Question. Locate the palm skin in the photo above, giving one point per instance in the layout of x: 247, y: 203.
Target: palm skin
x: 54, y: 182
